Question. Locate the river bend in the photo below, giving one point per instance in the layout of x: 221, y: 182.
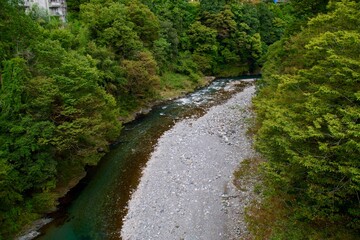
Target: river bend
x: 194, y: 144
x: 185, y: 185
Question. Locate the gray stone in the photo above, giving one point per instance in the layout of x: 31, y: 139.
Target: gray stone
x: 187, y: 182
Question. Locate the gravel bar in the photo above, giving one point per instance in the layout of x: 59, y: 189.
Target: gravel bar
x: 186, y: 190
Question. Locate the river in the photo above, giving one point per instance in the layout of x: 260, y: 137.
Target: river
x: 98, y: 204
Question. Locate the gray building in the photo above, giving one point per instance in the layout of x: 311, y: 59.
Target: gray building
x: 53, y: 7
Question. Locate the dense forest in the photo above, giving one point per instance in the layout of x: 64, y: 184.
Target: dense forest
x: 66, y: 88
x: 308, y: 126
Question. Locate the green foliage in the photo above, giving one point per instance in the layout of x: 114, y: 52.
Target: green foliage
x: 109, y: 26
x: 180, y: 13
x: 73, y: 7
x: 223, y: 22
x: 272, y: 23
x: 146, y: 23
x: 16, y: 28
x: 308, y: 8
x: 25, y: 156
x: 308, y: 111
x: 54, y: 113
x: 303, y: 10
x: 65, y: 85
x: 186, y: 65
x: 212, y: 6
x: 162, y: 51
x: 175, y: 84
x: 141, y: 75
x: 203, y: 46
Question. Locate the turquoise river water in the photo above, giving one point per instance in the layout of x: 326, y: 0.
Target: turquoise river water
x: 95, y: 208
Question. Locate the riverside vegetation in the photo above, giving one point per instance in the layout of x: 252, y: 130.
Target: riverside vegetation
x: 65, y: 88
x: 308, y: 115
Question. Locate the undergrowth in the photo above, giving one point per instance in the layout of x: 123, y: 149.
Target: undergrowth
x: 175, y: 84
x: 275, y: 215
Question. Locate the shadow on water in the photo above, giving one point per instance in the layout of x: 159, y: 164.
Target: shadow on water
x: 94, y: 209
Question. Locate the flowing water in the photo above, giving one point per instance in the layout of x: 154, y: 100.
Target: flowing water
x: 98, y: 204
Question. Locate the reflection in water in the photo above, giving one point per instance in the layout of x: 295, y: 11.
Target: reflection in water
x: 99, y: 202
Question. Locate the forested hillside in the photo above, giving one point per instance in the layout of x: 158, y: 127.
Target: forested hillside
x: 65, y: 87
x: 308, y: 111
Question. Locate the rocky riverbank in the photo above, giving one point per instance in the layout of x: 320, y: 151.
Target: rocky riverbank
x: 32, y: 231
x: 143, y: 110
x: 187, y: 191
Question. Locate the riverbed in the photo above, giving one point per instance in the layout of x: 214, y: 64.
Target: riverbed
x: 186, y: 190
x: 97, y: 207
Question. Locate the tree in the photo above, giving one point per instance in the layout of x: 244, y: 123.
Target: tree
x: 141, y: 75
x: 146, y: 24
x: 212, y: 6
x: 308, y: 111
x: 308, y: 8
x: 54, y: 118
x: 17, y: 30
x: 29, y: 167
x: 246, y: 17
x: 203, y: 44
x: 161, y: 51
x: 109, y: 26
x: 223, y: 22
x: 63, y: 86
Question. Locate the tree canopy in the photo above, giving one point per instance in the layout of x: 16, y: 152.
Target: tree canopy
x: 65, y: 87
x: 308, y: 115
